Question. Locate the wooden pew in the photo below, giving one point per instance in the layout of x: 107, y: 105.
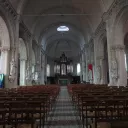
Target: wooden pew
x: 24, y: 105
x: 100, y: 103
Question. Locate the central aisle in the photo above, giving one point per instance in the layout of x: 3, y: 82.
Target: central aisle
x: 64, y: 115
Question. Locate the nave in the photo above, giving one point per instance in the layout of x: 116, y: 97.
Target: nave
x: 64, y: 115
x: 71, y: 106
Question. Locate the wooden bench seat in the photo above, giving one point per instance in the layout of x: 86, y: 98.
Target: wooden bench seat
x: 24, y: 106
x: 100, y: 104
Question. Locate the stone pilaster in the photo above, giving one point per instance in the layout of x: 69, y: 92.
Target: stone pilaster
x: 118, y: 71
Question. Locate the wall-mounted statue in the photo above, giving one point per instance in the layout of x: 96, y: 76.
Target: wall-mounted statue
x: 114, y: 70
x: 98, y: 73
x: 27, y: 73
x: 12, y: 73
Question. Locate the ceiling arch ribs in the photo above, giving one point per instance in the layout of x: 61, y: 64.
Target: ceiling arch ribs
x: 41, y: 17
x: 68, y: 40
x: 65, y: 36
x: 57, y: 24
x: 75, y: 9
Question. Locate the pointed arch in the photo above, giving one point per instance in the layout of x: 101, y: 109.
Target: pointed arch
x: 5, y: 46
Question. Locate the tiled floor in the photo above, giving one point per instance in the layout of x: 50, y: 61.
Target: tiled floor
x: 64, y: 115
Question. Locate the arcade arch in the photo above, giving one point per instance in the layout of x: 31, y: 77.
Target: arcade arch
x: 4, y: 47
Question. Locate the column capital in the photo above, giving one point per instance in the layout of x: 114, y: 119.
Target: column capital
x: 100, y: 58
x: 117, y: 47
x: 22, y: 59
x: 4, y: 48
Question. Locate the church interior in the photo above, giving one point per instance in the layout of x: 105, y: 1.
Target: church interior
x: 64, y: 64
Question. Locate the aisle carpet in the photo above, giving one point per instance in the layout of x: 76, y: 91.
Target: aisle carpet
x: 64, y: 114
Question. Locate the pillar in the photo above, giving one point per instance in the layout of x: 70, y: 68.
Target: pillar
x: 22, y: 72
x: 118, y: 70
x: 103, y: 76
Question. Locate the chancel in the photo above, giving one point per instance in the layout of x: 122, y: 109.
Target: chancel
x: 63, y: 69
x: 63, y: 63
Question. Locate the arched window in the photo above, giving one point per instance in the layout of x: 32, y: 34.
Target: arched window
x: 63, y: 29
x: 48, y: 70
x: 78, y: 69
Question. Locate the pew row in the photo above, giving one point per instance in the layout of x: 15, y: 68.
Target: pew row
x: 100, y: 104
x: 27, y: 106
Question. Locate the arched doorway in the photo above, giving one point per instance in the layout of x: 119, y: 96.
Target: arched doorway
x: 22, y: 62
x: 4, y: 47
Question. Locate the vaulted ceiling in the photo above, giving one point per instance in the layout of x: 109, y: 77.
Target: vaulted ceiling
x: 42, y: 17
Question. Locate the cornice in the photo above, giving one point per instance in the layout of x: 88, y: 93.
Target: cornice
x: 117, y: 47
x: 101, y: 27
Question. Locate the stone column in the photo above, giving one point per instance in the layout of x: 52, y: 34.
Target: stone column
x: 83, y: 67
x: 42, y: 68
x: 86, y: 65
x: 95, y: 61
x: 110, y: 35
x: 93, y: 64
x: 45, y: 68
x: 22, y: 72
x: 14, y: 50
x: 29, y: 60
x: 74, y: 68
x: 27, y: 76
x: 118, y: 70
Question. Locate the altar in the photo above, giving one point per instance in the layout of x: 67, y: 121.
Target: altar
x: 63, y: 68
x: 63, y: 82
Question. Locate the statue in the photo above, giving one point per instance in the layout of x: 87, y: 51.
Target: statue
x: 27, y: 73
x: 12, y: 67
x: 12, y: 70
x: 90, y: 76
x: 114, y: 70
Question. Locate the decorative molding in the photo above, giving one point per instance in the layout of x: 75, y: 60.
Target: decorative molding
x: 21, y: 59
x: 25, y: 32
x: 101, y: 27
x: 114, y: 70
x: 9, y: 8
x: 98, y: 73
x: 117, y: 47
x: 105, y: 16
x: 117, y: 6
x: 100, y: 58
x: 4, y: 48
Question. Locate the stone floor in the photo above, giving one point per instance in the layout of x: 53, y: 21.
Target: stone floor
x: 64, y: 114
